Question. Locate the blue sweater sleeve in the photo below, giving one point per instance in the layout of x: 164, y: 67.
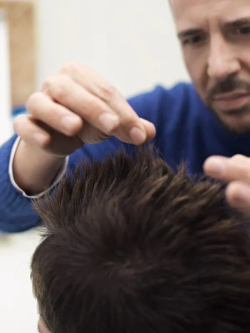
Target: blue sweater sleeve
x: 16, y: 212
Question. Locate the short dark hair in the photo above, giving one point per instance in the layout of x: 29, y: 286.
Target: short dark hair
x: 132, y: 247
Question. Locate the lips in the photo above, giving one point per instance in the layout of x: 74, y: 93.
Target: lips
x: 231, y: 101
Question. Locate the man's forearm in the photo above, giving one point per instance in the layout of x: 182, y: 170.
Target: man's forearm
x: 33, y: 169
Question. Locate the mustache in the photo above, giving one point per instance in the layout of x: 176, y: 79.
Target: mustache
x: 227, y: 85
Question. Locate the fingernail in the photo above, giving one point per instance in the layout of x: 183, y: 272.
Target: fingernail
x: 68, y: 122
x: 137, y: 136
x: 215, y: 166
x: 108, y: 122
x: 40, y: 138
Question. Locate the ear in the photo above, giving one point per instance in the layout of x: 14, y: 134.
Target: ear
x: 42, y: 328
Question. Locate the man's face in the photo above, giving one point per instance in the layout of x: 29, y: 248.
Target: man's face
x: 215, y: 38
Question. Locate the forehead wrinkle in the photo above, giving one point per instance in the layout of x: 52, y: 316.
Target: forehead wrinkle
x: 199, y: 15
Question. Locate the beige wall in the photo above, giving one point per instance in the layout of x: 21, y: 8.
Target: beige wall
x: 21, y: 23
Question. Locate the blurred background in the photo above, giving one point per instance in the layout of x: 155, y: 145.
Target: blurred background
x: 131, y: 43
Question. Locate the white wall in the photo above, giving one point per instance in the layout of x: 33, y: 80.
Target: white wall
x: 5, y: 99
x: 132, y: 43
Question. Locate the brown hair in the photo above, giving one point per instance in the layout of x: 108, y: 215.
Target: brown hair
x: 132, y: 247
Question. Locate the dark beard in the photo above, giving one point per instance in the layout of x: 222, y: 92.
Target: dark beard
x: 243, y: 129
x: 226, y: 85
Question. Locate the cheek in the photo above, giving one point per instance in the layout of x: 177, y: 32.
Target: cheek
x: 197, y: 69
x: 245, y: 60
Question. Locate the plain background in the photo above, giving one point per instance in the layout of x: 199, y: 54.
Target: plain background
x: 5, y: 105
x: 133, y: 45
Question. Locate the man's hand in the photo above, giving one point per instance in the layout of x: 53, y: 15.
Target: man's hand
x: 75, y: 106
x: 236, y: 172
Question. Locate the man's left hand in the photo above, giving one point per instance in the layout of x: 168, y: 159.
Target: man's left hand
x: 236, y: 172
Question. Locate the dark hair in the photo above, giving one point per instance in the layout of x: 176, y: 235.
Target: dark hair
x: 132, y: 247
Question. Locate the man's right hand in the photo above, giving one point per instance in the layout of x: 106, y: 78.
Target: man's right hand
x: 75, y: 106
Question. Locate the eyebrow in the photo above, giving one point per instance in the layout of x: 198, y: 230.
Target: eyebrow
x: 233, y: 24
x: 189, y: 33
x: 239, y: 23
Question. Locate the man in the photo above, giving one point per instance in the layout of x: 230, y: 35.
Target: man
x: 131, y: 247
x: 77, y: 111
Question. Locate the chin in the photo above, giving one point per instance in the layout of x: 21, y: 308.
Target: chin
x: 237, y: 129
x: 235, y: 124
x: 235, y: 121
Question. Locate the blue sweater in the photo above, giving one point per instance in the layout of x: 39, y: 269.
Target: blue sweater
x: 186, y: 131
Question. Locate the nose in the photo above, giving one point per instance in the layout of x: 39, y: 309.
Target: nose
x: 222, y: 60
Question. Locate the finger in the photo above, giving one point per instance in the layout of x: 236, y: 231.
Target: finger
x: 68, y: 93
x: 30, y: 132
x: 103, y: 90
x: 95, y: 111
x: 62, y: 145
x: 150, y: 129
x: 57, y: 116
x: 238, y: 195
x: 236, y: 168
x: 44, y: 138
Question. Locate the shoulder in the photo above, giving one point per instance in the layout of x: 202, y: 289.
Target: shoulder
x: 161, y: 104
x: 161, y: 97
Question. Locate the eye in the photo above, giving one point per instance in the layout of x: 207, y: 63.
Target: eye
x: 244, y: 30
x: 193, y: 40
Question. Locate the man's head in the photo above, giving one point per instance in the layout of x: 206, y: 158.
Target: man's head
x: 215, y: 39
x: 130, y: 247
